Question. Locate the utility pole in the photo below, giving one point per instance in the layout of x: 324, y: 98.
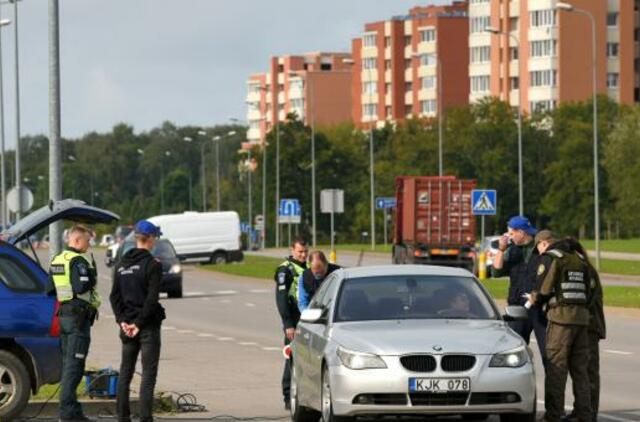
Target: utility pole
x: 55, y: 147
x: 3, y: 172
x: 17, y: 70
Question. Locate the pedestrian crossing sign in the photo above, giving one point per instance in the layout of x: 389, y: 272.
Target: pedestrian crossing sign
x: 484, y: 201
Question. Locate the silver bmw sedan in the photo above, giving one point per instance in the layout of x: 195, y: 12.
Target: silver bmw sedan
x: 409, y: 340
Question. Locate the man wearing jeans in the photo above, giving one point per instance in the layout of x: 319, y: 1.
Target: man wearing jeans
x: 134, y: 299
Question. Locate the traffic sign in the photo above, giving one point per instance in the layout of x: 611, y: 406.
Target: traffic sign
x: 383, y: 203
x: 245, y: 227
x: 26, y: 199
x: 484, y: 201
x: 332, y: 201
x: 289, y: 212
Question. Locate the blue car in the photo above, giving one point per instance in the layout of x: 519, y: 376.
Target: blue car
x: 30, y: 354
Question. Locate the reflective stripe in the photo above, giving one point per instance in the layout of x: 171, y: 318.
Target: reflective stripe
x: 570, y: 295
x: 556, y: 253
x: 573, y: 286
x: 553, y: 301
x: 84, y: 278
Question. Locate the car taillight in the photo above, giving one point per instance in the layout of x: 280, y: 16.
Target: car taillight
x: 54, y: 330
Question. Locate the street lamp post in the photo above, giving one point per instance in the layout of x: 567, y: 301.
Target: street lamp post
x: 496, y: 31
x: 596, y: 183
x: 216, y: 140
x: 167, y: 154
x: 203, y: 170
x: 3, y: 181
x: 188, y: 139
x: 371, y: 162
x: 17, y: 111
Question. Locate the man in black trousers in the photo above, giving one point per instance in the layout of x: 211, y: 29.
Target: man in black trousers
x: 134, y: 299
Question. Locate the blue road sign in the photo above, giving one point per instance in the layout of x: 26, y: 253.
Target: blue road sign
x: 245, y: 227
x: 383, y: 203
x: 484, y: 201
x: 290, y: 211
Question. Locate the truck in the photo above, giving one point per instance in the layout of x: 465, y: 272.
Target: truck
x: 433, y: 222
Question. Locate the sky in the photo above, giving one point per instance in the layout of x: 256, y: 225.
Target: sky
x: 146, y: 61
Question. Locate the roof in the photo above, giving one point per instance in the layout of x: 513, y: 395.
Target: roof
x: 391, y: 270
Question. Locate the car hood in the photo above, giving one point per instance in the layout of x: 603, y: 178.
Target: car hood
x: 399, y: 337
x: 67, y: 209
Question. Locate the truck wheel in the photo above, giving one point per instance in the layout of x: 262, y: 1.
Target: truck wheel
x: 14, y: 386
x: 219, y: 258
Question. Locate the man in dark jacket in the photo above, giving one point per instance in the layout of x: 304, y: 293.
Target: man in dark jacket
x: 311, y: 279
x: 134, y: 299
x: 518, y: 258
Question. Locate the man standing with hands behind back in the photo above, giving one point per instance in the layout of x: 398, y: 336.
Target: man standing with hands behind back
x: 134, y: 299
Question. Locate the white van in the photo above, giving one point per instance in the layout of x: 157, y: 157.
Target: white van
x: 203, y: 236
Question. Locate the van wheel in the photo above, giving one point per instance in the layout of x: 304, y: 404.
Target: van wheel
x: 219, y: 258
x: 14, y: 386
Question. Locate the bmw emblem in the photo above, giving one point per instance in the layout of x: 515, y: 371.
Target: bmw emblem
x: 437, y: 348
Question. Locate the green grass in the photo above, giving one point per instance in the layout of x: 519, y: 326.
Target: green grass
x: 357, y: 247
x: 252, y: 266
x: 619, y: 245
x: 616, y: 266
x: 621, y: 296
x: 46, y: 392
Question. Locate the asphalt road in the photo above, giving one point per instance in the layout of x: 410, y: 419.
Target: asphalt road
x: 222, y: 342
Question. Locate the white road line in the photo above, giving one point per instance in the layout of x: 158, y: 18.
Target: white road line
x: 272, y: 349
x: 186, y: 331
x: 259, y: 291
x: 226, y: 292
x: 250, y: 305
x: 188, y: 294
x: 205, y: 298
x: 618, y: 352
x: 205, y: 335
x: 226, y: 338
x: 168, y: 328
x: 248, y: 343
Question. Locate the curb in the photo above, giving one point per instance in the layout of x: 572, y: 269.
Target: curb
x: 95, y: 407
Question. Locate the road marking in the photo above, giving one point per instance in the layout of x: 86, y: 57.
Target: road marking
x: 260, y: 291
x: 205, y: 335
x: 226, y: 292
x: 250, y: 305
x: 186, y: 331
x: 618, y: 352
x: 248, y: 343
x: 191, y: 294
x: 614, y: 418
x: 205, y: 298
x: 168, y: 328
x: 226, y: 338
x: 272, y: 349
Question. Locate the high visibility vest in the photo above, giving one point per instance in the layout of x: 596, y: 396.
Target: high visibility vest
x: 60, y: 270
x: 296, y: 272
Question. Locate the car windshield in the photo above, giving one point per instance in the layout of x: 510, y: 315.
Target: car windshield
x: 162, y: 250
x: 412, y: 297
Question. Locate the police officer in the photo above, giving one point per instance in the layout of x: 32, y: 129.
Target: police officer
x: 74, y: 276
x: 286, y: 278
x: 517, y: 258
x: 311, y: 279
x: 565, y: 290
x: 597, y: 331
x: 134, y: 299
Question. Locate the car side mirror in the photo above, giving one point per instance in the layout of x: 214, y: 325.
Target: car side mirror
x: 312, y: 316
x: 515, y: 313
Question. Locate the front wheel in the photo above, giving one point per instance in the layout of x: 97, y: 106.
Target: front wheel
x: 14, y: 386
x: 327, y: 405
x: 219, y: 258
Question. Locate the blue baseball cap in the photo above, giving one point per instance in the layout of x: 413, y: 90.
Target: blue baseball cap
x: 147, y: 228
x: 522, y: 223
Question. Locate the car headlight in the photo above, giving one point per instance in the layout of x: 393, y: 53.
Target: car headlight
x: 510, y: 359
x: 357, y: 360
x: 175, y: 269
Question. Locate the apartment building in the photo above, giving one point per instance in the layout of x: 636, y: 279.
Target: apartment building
x: 411, y: 65
x: 541, y: 56
x: 315, y: 86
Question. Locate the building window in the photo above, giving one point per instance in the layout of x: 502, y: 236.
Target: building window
x: 612, y: 19
x: 387, y: 88
x: 369, y: 40
x: 370, y: 110
x: 428, y: 35
x: 254, y: 88
x: 370, y: 88
x: 280, y: 68
x: 480, y: 83
x: 387, y: 41
x: 514, y: 53
x: 295, y: 85
x: 513, y: 23
x: 297, y: 103
x: 543, y: 48
x: 481, y: 54
x: 408, y: 86
x: 428, y: 59
x: 479, y: 1
x: 408, y: 110
x: 429, y: 82
x: 543, y: 78
x: 254, y: 124
x: 369, y: 63
x: 545, y: 17
x: 479, y: 24
x: 407, y: 40
x: 407, y: 63
x: 612, y: 80
x: 387, y: 111
x: 428, y: 106
x: 252, y: 107
x: 387, y: 64
x: 612, y: 49
x: 514, y: 81
x: 325, y: 66
x: 542, y: 106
